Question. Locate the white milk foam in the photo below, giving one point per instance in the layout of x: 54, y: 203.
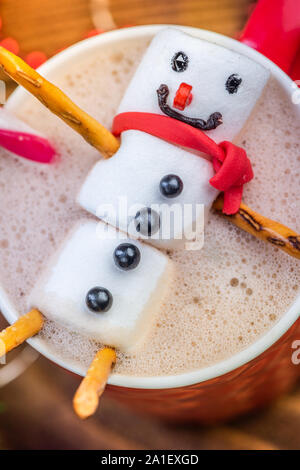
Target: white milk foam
x: 225, y: 296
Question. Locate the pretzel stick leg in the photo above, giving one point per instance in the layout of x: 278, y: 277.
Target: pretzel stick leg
x: 24, y: 328
x: 54, y: 99
x: 265, y: 229
x: 86, y: 399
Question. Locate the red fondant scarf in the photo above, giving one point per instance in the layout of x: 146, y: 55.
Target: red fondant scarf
x: 231, y: 164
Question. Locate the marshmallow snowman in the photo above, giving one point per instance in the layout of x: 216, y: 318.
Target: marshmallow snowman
x: 216, y: 90
x: 104, y: 285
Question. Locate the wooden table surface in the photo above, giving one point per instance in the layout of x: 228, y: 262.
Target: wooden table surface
x: 35, y: 409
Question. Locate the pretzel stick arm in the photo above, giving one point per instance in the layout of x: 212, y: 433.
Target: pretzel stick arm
x: 24, y: 328
x: 87, y: 397
x: 54, y: 99
x: 263, y: 228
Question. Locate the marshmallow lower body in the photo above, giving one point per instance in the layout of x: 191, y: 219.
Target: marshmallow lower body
x: 118, y: 188
x: 86, y: 261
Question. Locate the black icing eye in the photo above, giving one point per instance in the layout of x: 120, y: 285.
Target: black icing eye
x: 171, y: 186
x: 127, y: 256
x: 99, y: 300
x: 180, y: 62
x: 147, y: 222
x: 233, y: 82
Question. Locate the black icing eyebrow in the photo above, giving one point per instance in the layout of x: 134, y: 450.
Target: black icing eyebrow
x: 180, y: 62
x: 232, y: 83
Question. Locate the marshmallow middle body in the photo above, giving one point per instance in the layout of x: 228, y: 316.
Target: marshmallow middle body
x: 118, y: 188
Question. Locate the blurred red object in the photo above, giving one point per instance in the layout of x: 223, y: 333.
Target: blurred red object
x: 274, y: 30
x: 11, y: 45
x: 93, y: 32
x: 35, y: 59
x: 295, y: 71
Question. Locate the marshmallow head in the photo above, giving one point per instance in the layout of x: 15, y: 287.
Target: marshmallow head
x: 222, y: 81
x: 86, y: 261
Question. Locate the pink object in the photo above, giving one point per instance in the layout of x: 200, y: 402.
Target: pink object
x: 26, y: 145
x: 19, y: 138
x: 274, y: 30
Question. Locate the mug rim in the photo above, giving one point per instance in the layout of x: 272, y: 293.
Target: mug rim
x: 239, y: 359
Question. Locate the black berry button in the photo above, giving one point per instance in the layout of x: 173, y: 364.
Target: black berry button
x: 171, y: 186
x: 99, y: 300
x: 180, y: 62
x: 147, y: 222
x: 127, y: 256
x: 233, y: 82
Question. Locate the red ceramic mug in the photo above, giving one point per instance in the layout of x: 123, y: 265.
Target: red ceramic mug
x: 265, y: 369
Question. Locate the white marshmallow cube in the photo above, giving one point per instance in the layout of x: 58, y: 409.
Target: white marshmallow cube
x: 86, y: 261
x: 116, y: 189
x: 208, y: 69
